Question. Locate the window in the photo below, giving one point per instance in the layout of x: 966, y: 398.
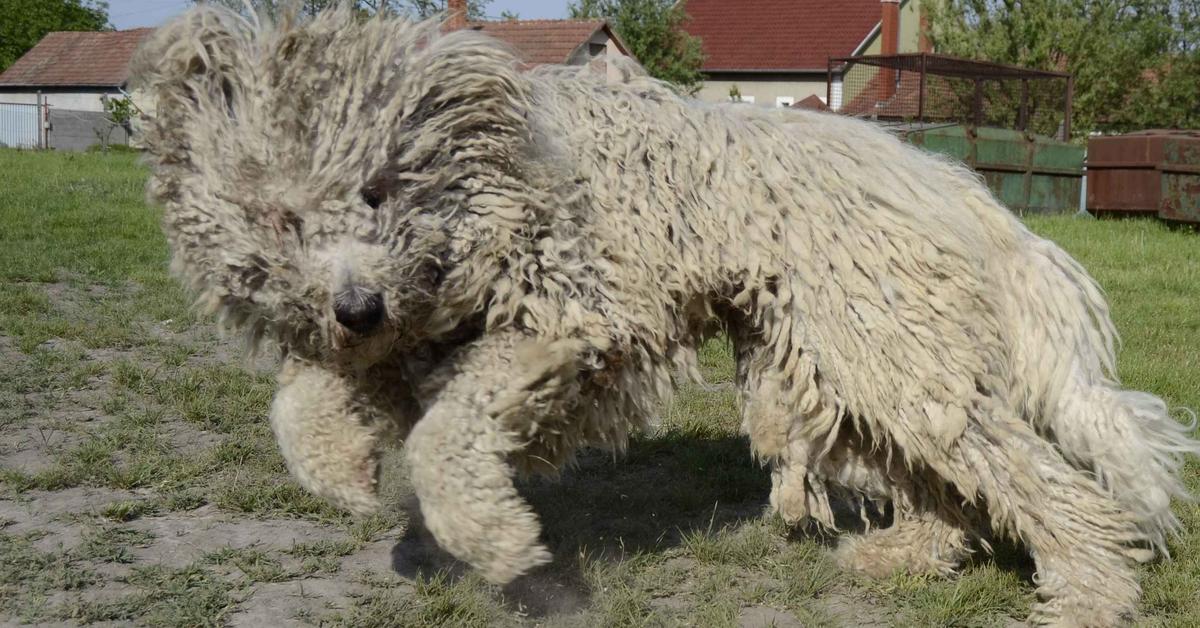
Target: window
x: 784, y: 101
x: 596, y: 50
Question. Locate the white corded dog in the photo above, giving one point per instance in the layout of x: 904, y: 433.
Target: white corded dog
x: 498, y: 267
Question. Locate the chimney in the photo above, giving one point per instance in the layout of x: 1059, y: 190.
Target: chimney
x: 923, y: 43
x: 889, y: 34
x: 457, y: 15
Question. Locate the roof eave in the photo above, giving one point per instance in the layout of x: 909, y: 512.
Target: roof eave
x: 861, y: 49
x: 586, y: 40
x: 764, y: 70
x: 866, y: 42
x: 612, y: 33
x: 607, y: 30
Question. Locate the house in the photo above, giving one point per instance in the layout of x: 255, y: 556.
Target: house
x: 570, y: 42
x: 539, y: 42
x: 776, y: 52
x: 72, y: 73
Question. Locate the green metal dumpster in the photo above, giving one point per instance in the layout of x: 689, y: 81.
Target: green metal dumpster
x: 1028, y: 173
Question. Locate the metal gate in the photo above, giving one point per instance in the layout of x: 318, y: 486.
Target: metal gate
x: 21, y: 125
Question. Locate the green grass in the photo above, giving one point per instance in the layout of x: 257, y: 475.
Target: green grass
x: 185, y: 597
x: 437, y: 601
x: 28, y: 575
x: 670, y: 534
x: 77, y: 215
x: 80, y: 220
x: 111, y: 544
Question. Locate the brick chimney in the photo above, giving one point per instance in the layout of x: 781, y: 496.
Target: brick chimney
x: 456, y: 11
x: 889, y: 35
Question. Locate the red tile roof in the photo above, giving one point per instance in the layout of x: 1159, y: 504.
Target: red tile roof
x: 545, y: 41
x: 77, y: 58
x: 779, y: 35
x: 812, y: 101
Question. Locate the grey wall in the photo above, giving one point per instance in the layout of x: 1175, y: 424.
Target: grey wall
x: 76, y: 130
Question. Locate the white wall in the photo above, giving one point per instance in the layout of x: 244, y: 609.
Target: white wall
x: 20, y: 98
x: 763, y: 92
x: 79, y: 101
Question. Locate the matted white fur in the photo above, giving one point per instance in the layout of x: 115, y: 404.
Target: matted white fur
x: 552, y: 246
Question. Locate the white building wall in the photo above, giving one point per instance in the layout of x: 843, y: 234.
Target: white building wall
x: 78, y: 101
x: 19, y: 98
x: 763, y: 92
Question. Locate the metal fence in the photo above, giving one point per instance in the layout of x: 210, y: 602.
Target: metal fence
x: 72, y: 129
x: 21, y: 125
x: 925, y: 88
x: 43, y: 126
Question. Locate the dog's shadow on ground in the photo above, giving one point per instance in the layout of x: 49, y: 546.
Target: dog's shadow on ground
x: 608, y: 507
x: 648, y: 500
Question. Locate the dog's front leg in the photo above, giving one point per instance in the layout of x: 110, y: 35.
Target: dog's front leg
x: 329, y: 425
x: 482, y: 405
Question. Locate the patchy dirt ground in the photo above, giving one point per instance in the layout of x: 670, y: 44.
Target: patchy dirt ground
x: 141, y: 484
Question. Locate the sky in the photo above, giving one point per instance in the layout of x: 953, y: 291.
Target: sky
x: 134, y: 13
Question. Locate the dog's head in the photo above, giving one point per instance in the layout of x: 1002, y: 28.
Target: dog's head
x: 326, y: 182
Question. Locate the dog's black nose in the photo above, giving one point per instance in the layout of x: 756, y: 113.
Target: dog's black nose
x: 358, y: 310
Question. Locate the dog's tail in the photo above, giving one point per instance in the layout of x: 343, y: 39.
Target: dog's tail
x: 1064, y: 377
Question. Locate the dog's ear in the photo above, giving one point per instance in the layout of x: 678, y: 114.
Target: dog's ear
x: 195, y: 69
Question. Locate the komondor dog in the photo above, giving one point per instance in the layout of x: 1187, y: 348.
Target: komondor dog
x: 498, y: 267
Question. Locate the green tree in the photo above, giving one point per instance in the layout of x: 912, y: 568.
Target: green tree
x: 23, y: 23
x: 118, y: 113
x: 1169, y: 94
x: 1135, y: 61
x: 417, y: 8
x: 653, y: 30
x: 427, y: 8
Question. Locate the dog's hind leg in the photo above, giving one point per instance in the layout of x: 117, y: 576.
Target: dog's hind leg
x: 1080, y: 537
x: 791, y: 416
x: 1132, y: 445
x: 775, y: 406
x: 930, y: 533
x: 1064, y: 365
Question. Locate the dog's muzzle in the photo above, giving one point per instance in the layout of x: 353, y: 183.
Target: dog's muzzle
x: 358, y: 309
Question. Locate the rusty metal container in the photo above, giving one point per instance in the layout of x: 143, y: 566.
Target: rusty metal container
x: 1028, y: 173
x: 1153, y: 172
